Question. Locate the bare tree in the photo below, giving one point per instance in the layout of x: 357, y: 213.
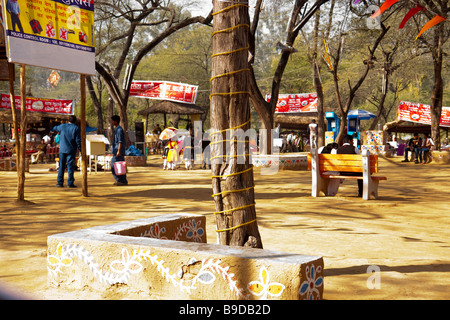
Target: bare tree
x: 129, y: 18
x: 344, y: 104
x: 435, y: 40
x: 297, y: 21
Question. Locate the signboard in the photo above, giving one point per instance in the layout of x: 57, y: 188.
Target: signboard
x: 293, y: 103
x: 164, y: 90
x: 55, y: 34
x: 54, y: 106
x: 420, y: 113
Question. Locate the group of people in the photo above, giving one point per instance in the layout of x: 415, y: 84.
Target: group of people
x: 421, y: 148
x: 173, y: 151
x: 347, y: 147
x: 70, y: 142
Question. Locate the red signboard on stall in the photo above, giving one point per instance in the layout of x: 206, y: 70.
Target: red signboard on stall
x: 164, y: 90
x: 55, y: 106
x: 293, y: 103
x: 420, y: 113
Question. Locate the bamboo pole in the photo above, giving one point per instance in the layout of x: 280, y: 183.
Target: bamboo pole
x: 83, y: 135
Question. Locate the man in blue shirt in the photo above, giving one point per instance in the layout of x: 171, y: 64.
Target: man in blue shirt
x: 70, y: 141
x: 14, y: 10
x: 118, y: 150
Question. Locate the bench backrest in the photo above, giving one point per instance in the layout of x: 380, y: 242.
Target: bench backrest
x: 344, y: 162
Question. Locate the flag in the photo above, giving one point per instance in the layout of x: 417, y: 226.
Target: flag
x: 384, y: 7
x: 437, y: 19
x: 409, y: 15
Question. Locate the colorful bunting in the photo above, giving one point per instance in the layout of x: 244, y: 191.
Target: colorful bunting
x: 384, y: 7
x: 411, y: 13
x: 437, y: 19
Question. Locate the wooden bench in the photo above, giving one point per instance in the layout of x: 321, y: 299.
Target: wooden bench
x: 326, y: 172
x: 51, y: 154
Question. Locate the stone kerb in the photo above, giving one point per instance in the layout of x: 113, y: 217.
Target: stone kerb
x: 133, y: 257
x: 284, y: 161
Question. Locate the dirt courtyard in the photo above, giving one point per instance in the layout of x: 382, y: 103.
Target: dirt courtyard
x: 403, y: 235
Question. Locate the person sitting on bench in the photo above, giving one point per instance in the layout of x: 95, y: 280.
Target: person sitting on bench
x: 413, y: 146
x: 427, y: 145
x: 41, y: 148
x: 348, y: 148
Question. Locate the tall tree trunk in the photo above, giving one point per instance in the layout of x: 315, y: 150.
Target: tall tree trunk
x: 438, y: 88
x: 97, y: 104
x: 232, y: 180
x: 320, y: 104
x: 23, y: 136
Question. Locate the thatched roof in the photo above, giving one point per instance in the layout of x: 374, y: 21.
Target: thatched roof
x: 294, y: 121
x: 32, y: 116
x: 402, y: 126
x: 171, y: 107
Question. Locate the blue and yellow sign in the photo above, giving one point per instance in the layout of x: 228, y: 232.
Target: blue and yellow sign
x: 56, y: 34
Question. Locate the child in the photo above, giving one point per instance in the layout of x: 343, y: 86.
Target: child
x: 172, y: 156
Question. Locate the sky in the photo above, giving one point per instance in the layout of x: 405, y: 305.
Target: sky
x: 198, y: 7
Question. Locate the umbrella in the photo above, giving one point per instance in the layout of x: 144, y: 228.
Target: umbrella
x: 361, y: 114
x: 168, y: 133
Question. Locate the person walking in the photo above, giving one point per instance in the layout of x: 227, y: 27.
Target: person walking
x: 118, y: 150
x: 70, y: 141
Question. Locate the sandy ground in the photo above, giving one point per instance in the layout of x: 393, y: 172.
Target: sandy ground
x: 404, y: 234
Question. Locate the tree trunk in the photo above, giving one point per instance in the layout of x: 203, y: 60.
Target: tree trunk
x: 320, y: 104
x: 23, y: 136
x: 97, y: 104
x: 438, y: 88
x: 232, y: 179
x: 84, y: 182
x: 11, y: 67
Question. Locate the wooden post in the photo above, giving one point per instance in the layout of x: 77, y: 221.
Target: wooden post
x: 230, y: 111
x: 23, y: 136
x: 83, y: 135
x: 13, y: 106
x: 20, y: 186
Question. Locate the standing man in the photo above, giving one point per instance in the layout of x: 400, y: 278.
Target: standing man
x: 312, y: 128
x: 118, y: 150
x: 70, y: 141
x: 14, y: 10
x: 348, y: 148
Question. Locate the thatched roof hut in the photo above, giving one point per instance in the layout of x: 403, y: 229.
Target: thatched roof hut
x: 294, y: 121
x: 401, y: 126
x: 171, y: 107
x: 32, y: 116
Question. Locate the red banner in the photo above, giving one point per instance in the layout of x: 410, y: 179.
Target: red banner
x: 55, y: 106
x: 292, y: 103
x: 164, y: 90
x: 420, y: 113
